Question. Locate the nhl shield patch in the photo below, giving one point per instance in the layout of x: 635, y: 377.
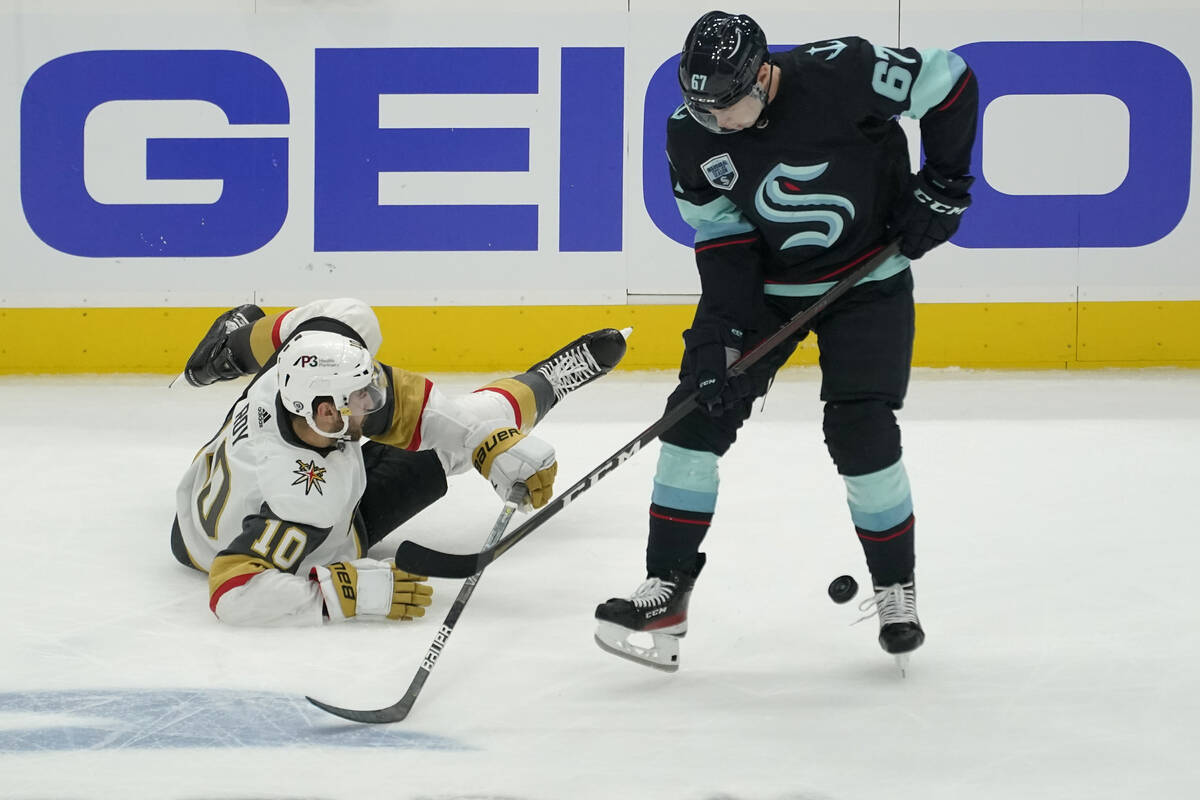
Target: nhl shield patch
x: 720, y: 171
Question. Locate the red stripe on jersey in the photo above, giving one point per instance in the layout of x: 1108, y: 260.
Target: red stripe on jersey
x: 961, y: 86
x: 232, y: 583
x: 840, y: 270
x: 415, y: 444
x: 275, y: 342
x: 512, y: 401
x: 726, y: 244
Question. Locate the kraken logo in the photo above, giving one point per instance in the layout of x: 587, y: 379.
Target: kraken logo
x: 780, y: 199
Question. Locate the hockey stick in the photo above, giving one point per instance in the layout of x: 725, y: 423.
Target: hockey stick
x: 399, y: 710
x: 425, y: 561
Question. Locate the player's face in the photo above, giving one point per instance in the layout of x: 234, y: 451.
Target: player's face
x: 740, y: 115
x: 355, y: 428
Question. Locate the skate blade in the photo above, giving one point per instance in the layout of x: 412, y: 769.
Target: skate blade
x: 663, y: 655
x: 902, y: 664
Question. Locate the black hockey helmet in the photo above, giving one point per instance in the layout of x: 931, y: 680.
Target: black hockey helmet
x: 719, y: 64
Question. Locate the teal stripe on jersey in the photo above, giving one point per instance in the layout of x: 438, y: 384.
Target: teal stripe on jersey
x: 686, y: 479
x: 879, y: 500
x: 893, y: 266
x: 940, y: 71
x: 714, y: 219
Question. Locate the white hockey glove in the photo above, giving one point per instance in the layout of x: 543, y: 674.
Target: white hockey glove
x: 507, y: 456
x: 369, y: 588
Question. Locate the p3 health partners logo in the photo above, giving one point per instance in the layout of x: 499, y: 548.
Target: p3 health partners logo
x: 123, y: 719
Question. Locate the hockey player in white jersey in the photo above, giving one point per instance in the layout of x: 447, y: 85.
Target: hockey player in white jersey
x: 281, y: 506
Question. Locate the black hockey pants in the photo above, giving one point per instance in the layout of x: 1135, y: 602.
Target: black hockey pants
x: 400, y: 483
x: 865, y: 341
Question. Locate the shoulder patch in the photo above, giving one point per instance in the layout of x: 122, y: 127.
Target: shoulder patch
x: 720, y: 171
x: 312, y: 476
x: 834, y: 48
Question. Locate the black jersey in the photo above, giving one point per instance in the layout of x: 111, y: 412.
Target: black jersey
x: 812, y: 188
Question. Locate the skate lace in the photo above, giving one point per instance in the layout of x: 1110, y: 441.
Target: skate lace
x: 653, y: 591
x: 895, y: 603
x: 570, y: 370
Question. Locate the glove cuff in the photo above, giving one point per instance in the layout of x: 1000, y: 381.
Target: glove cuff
x: 355, y: 589
x: 942, y: 197
x: 336, y: 582
x: 955, y: 188
x: 493, y: 445
x: 714, y: 332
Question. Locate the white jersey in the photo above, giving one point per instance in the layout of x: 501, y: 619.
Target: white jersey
x: 258, y: 508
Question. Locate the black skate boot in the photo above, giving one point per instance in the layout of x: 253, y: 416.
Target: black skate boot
x: 659, y: 608
x: 214, y: 359
x: 900, y: 630
x: 583, y: 360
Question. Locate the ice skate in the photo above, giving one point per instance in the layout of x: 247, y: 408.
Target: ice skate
x: 583, y: 360
x: 658, y: 608
x: 212, y: 359
x: 900, y: 630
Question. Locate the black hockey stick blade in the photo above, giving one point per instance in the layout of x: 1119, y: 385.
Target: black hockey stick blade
x: 427, y: 561
x: 399, y: 710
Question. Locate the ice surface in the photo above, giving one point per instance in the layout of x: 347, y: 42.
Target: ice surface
x: 1056, y: 549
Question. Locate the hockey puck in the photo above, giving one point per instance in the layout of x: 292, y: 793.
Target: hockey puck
x: 843, y: 589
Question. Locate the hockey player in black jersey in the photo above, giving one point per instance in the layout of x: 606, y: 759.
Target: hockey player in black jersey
x: 792, y: 168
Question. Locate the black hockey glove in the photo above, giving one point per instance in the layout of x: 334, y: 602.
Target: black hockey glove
x: 223, y: 353
x: 709, y: 350
x: 930, y: 212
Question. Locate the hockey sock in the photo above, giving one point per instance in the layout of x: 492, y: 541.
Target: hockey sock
x: 529, y: 394
x: 681, y: 508
x: 881, y: 508
x: 253, y: 345
x: 675, y: 537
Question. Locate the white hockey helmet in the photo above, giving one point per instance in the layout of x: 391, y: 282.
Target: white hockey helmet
x: 319, y: 364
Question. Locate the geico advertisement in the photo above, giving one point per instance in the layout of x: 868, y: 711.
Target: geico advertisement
x: 371, y: 170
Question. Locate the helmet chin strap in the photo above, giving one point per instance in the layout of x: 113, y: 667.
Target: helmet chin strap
x: 312, y: 423
x: 764, y: 95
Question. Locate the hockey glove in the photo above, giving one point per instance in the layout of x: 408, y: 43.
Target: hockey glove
x: 221, y: 356
x: 507, y: 456
x: 711, y: 349
x: 930, y: 212
x: 369, y: 588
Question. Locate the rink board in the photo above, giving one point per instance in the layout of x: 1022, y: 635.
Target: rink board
x: 489, y: 174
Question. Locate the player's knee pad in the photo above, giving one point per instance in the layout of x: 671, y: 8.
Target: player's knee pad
x: 862, y: 436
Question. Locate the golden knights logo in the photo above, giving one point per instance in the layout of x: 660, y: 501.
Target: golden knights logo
x: 311, y: 476
x: 720, y: 171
